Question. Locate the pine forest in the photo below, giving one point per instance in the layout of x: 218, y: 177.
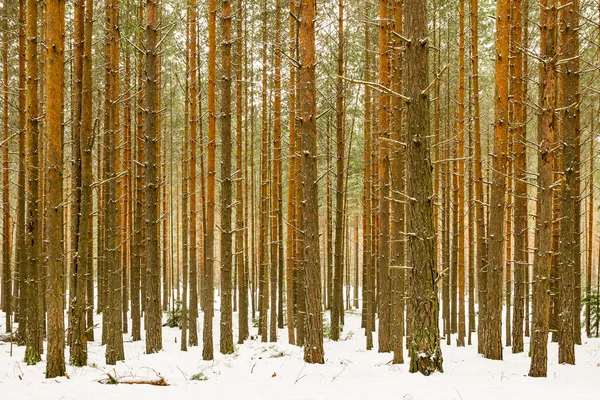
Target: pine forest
x: 308, y: 199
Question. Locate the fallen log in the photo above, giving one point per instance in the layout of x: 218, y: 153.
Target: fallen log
x: 133, y: 380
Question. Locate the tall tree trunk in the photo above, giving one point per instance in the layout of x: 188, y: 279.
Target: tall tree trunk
x: 276, y: 176
x: 383, y: 278
x: 292, y: 231
x: 424, y: 348
x: 397, y: 259
x: 185, y: 171
x: 307, y: 126
x: 367, y: 233
x: 590, y: 234
x: 570, y: 229
x: 226, y: 343
x: 7, y: 292
x: 493, y: 334
x: 240, y: 211
x: 138, y: 263
x: 193, y: 200
x: 460, y: 340
x: 340, y: 121
x: 481, y: 259
x: 209, y: 227
x: 263, y: 235
x: 33, y: 250
x: 21, y: 270
x: 520, y: 197
x: 55, y: 361
x: 112, y: 329
x: 546, y: 138
x: 152, y: 314
x: 79, y: 227
x: 278, y: 169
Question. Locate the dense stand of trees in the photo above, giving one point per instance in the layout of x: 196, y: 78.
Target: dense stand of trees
x: 408, y: 158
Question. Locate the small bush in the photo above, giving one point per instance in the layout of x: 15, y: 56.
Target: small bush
x: 327, y: 332
x: 174, y: 316
x: 199, y: 377
x: 592, y: 303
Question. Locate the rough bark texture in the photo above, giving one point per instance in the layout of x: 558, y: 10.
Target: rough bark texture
x: 21, y: 256
x: 7, y: 292
x: 424, y: 346
x: 397, y: 258
x: 336, y: 308
x: 193, y: 219
x: 543, y: 233
x: 226, y: 344
x: 569, y: 228
x: 33, y: 339
x: 55, y: 14
x: 240, y: 213
x: 112, y: 328
x: 460, y: 340
x: 152, y: 314
x: 520, y: 168
x: 367, y: 235
x: 209, y: 227
x: 493, y: 334
x: 79, y: 225
x: 383, y: 278
x: 313, y: 348
x: 481, y: 258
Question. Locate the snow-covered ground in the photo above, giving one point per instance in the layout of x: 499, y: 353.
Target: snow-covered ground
x: 277, y: 371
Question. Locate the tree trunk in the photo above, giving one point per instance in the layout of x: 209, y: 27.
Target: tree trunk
x: 397, y: 259
x: 55, y: 361
x: 152, y: 312
x: 240, y: 211
x: 33, y: 248
x: 338, y: 266
x: 569, y: 232
x: 520, y: 198
x: 209, y: 228
x: 493, y: 334
x: 226, y: 343
x: 546, y: 139
x: 79, y: 227
x: 313, y: 349
x: 21, y: 270
x: 424, y: 349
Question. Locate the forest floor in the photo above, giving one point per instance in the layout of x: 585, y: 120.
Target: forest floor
x: 277, y: 371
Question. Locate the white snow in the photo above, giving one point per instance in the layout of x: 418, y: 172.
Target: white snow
x: 277, y: 371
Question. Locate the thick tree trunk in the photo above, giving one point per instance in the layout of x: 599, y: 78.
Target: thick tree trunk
x: 33, y: 247
x: 55, y: 361
x: 112, y: 329
x: 424, y: 348
x: 226, y: 331
x: 313, y: 349
x: 546, y: 138
x: 152, y: 311
x: 209, y: 227
x: 383, y: 277
x: 79, y: 225
x: 570, y: 229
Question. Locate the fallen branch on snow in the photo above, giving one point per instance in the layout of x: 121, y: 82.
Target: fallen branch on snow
x: 132, y: 380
